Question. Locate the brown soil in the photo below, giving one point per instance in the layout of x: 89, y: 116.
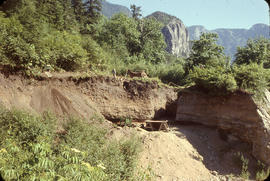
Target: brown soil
x: 186, y: 153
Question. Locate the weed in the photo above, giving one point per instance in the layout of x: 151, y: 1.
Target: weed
x: 28, y: 151
x: 262, y: 172
x: 241, y: 161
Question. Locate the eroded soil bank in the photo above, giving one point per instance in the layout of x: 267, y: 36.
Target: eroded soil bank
x: 187, y: 152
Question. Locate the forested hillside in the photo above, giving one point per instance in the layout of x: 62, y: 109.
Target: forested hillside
x: 72, y: 35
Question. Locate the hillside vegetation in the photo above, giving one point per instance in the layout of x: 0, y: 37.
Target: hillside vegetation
x: 72, y: 35
x: 33, y: 148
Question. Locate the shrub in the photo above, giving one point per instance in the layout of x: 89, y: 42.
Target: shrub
x: 262, y: 171
x: 213, y: 80
x: 256, y: 51
x: 252, y: 77
x: 63, y: 50
x: 172, y: 74
x: 32, y: 150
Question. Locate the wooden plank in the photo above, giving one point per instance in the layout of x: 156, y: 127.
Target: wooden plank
x: 156, y: 121
x: 162, y: 125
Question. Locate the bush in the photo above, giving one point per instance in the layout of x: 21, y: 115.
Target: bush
x: 252, y: 78
x: 62, y: 50
x: 31, y: 149
x: 256, y: 51
x: 172, y: 74
x: 213, y: 80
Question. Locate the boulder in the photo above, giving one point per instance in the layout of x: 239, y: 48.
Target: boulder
x: 239, y: 114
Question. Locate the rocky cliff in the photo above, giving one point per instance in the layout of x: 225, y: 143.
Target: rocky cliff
x: 175, y: 34
x: 238, y: 114
x: 230, y: 39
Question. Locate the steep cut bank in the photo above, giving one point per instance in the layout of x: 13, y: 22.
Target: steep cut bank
x: 237, y: 115
x: 87, y: 97
x: 188, y: 152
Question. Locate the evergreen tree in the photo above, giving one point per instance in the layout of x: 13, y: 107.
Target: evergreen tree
x: 93, y: 9
x: 136, y: 11
x: 79, y: 10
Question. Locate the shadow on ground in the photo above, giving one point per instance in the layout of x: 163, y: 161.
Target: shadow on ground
x: 219, y: 155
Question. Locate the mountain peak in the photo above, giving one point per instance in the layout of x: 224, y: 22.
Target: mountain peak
x: 162, y: 17
x: 109, y: 9
x: 259, y: 26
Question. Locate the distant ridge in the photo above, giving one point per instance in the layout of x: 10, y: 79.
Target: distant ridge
x: 109, y: 9
x: 230, y: 39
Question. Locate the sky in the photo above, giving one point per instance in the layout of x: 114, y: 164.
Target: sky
x: 212, y: 14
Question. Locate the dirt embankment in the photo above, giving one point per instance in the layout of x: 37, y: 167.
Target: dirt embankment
x: 238, y: 115
x: 193, y: 152
x: 97, y: 95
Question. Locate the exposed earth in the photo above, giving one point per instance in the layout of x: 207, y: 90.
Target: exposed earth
x: 186, y: 152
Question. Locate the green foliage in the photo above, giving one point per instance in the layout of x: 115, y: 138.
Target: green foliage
x: 242, y: 162
x: 71, y: 35
x: 131, y: 39
x: 120, y: 32
x: 256, y: 51
x: 63, y: 50
x: 152, y: 44
x: 32, y: 149
x: 171, y: 74
x: 262, y: 172
x: 93, y: 9
x: 252, y: 78
x: 213, y: 80
x: 135, y: 11
x: 205, y: 51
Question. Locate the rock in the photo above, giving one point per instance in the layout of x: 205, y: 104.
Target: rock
x: 175, y: 33
x: 214, y: 173
x: 48, y: 74
x: 238, y: 113
x: 176, y: 38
